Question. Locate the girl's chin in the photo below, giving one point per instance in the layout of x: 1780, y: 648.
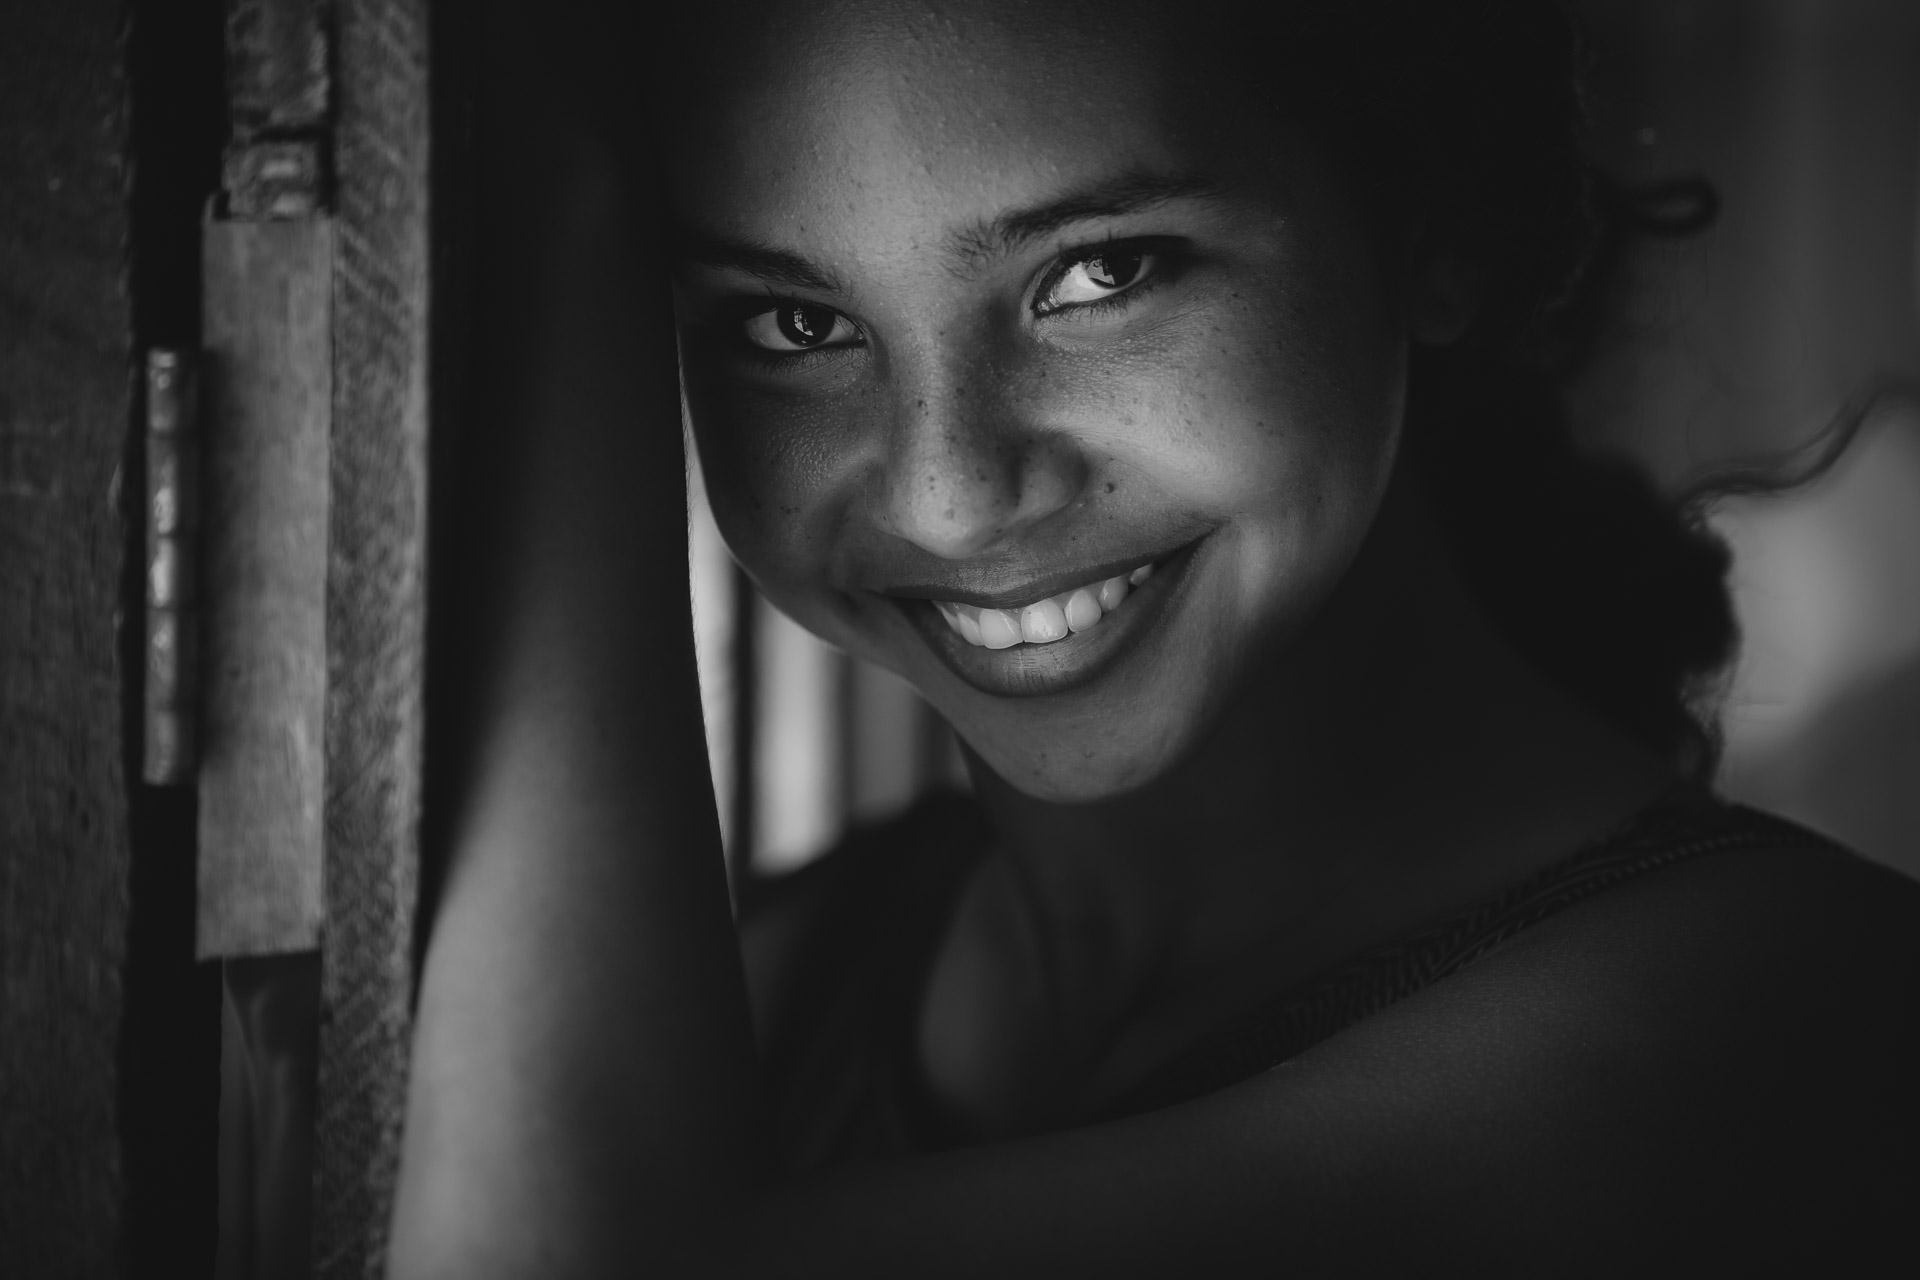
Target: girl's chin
x: 1069, y: 769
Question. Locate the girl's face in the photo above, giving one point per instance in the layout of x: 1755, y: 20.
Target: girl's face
x: 1030, y: 358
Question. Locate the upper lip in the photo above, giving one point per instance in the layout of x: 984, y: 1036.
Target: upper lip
x: 982, y: 594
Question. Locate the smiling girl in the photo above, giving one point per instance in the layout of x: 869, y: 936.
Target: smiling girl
x: 1157, y: 388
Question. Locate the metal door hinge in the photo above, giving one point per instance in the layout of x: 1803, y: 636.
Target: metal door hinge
x: 173, y: 518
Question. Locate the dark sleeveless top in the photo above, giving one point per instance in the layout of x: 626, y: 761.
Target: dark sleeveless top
x: 841, y: 1055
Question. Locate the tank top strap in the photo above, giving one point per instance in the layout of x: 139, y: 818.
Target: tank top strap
x: 1686, y: 823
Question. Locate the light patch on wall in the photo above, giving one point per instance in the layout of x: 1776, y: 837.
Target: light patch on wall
x: 1827, y: 587
x: 711, y: 568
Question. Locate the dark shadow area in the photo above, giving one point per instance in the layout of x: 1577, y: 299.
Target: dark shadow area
x: 169, y: 1086
x: 454, y: 221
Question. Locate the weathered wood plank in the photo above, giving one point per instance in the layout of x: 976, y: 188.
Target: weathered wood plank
x: 376, y: 615
x: 65, y: 410
x: 277, y: 78
x: 267, y: 386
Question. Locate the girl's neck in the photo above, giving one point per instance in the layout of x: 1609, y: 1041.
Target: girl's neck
x: 1397, y: 763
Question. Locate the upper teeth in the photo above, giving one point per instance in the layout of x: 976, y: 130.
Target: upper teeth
x: 1043, y: 621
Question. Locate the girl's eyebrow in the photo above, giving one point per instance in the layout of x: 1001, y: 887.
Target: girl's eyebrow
x: 971, y: 248
x: 977, y: 246
x: 781, y: 268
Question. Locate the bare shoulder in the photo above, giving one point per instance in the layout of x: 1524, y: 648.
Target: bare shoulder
x: 1720, y: 1056
x: 1798, y: 943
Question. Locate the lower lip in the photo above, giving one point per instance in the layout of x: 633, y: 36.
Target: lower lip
x: 1036, y: 670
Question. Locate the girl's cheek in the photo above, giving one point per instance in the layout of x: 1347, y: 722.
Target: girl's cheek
x: 775, y: 484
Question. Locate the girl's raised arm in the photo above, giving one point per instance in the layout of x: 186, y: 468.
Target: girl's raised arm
x: 583, y: 1067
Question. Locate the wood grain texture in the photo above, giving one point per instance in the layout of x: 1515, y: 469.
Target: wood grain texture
x: 66, y: 365
x: 267, y: 385
x: 376, y: 614
x: 277, y: 77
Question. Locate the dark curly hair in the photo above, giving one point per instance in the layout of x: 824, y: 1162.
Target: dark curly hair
x: 1469, y: 116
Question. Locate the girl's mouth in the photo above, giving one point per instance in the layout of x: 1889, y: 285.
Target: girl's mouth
x: 1045, y: 621
x: 1054, y: 643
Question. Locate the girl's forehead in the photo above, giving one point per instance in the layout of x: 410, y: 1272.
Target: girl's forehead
x: 764, y: 33
x: 964, y: 63
x: 885, y: 101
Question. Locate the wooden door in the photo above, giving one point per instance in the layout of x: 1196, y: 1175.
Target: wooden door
x: 126, y: 129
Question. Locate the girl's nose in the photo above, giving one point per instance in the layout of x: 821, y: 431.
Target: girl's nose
x: 966, y: 469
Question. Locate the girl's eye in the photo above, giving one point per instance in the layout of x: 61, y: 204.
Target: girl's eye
x: 797, y: 326
x: 1093, y: 277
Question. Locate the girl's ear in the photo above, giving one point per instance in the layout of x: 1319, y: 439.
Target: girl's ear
x: 1444, y: 292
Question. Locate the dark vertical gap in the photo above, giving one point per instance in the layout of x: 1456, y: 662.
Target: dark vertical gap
x: 745, y: 659
x: 235, y: 1253
x: 846, y: 736
x: 274, y: 1004
x: 942, y: 767
x: 454, y: 300
x: 169, y: 1055
x: 926, y: 752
